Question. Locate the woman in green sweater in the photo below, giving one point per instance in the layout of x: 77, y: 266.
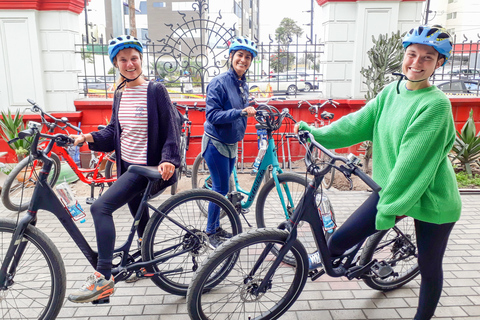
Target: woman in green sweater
x: 412, y: 129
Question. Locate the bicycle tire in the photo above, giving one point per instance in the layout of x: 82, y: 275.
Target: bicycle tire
x: 329, y: 177
x: 161, y: 233
x: 111, y: 168
x: 234, y: 293
x: 37, y: 289
x: 12, y: 187
x: 398, y: 250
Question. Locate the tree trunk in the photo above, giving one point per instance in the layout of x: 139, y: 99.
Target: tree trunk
x: 131, y: 14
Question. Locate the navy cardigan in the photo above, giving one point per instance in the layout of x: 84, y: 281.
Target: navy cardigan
x: 163, y: 131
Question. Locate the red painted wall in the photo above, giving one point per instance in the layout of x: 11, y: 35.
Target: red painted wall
x: 75, y: 6
x: 93, y: 112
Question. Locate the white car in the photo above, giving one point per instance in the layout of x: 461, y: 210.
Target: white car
x: 287, y: 83
x: 311, y: 78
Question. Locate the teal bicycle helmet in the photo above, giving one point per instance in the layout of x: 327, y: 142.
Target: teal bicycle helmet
x: 123, y: 42
x: 435, y: 36
x: 242, y: 43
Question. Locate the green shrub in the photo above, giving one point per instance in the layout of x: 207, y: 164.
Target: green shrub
x: 464, y: 181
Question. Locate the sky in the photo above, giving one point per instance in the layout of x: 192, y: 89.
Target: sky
x: 273, y: 11
x: 271, y: 14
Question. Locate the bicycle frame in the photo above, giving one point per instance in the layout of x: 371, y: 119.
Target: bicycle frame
x: 44, y: 198
x: 307, y: 211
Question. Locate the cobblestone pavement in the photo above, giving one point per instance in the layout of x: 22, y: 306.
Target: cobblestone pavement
x: 326, y: 298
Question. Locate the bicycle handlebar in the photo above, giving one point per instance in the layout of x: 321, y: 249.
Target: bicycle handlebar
x: 187, y: 107
x: 51, y: 126
x: 350, y: 167
x: 316, y: 107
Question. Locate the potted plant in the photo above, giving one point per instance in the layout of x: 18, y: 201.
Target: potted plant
x: 11, y: 125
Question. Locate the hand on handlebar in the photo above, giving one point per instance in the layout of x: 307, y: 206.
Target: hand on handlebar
x: 250, y: 111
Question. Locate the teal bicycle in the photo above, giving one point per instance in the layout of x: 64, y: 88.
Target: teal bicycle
x: 279, y: 195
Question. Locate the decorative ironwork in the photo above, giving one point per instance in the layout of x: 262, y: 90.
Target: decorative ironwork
x: 197, y: 47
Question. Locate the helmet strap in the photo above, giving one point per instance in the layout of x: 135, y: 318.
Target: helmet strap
x: 124, y: 82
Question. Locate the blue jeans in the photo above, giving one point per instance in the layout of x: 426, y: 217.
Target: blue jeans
x: 220, y: 168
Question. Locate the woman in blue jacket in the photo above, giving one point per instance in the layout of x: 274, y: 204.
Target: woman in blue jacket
x: 227, y: 97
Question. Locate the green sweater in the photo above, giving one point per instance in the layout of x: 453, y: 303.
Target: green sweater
x: 412, y: 133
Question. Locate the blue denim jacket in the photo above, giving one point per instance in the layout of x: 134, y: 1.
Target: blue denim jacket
x: 224, y: 105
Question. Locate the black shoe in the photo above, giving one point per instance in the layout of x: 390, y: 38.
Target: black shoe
x: 223, y: 233
x: 215, y: 240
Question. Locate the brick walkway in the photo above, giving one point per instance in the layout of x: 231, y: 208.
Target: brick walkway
x: 326, y: 298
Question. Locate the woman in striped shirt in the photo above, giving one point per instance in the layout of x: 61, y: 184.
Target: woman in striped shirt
x: 142, y: 131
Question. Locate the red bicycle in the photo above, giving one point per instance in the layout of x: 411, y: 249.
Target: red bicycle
x: 19, y: 186
x: 325, y: 119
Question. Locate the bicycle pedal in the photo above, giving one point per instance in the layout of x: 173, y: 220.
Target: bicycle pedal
x: 101, y: 301
x: 382, y: 269
x: 315, y: 274
x: 90, y: 200
x: 244, y: 211
x: 188, y: 173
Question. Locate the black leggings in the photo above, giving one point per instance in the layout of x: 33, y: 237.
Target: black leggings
x: 431, y: 243
x: 129, y: 189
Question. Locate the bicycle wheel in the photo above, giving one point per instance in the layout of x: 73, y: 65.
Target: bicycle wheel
x: 397, y: 247
x: 163, y: 237
x: 22, y: 180
x: 37, y: 289
x: 269, y: 212
x: 235, y: 293
x: 111, y: 168
x: 327, y: 181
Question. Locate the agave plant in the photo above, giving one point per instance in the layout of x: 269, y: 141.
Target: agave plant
x: 11, y: 125
x: 467, y: 145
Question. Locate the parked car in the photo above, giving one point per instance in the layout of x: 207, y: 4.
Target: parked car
x: 311, y: 78
x: 98, y: 83
x: 460, y: 86
x: 287, y: 83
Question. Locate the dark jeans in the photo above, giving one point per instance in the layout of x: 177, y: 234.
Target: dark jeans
x: 220, y: 168
x: 129, y: 189
x: 431, y: 243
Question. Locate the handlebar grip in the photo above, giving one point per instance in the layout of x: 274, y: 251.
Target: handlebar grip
x: 243, y: 113
x: 366, y: 178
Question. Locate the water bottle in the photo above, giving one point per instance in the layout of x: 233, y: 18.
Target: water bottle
x: 71, y: 204
x: 325, y: 210
x: 262, y: 148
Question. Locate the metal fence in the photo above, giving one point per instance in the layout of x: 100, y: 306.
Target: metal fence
x: 196, y: 50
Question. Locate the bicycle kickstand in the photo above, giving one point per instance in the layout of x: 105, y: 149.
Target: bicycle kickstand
x: 235, y: 198
x: 91, y: 199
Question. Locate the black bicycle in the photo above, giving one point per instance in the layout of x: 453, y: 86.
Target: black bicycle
x: 260, y: 286
x: 184, y: 142
x: 32, y: 272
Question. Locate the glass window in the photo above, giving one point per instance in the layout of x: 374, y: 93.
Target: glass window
x: 472, y: 86
x: 159, y: 4
x: 451, y: 86
x: 143, y: 7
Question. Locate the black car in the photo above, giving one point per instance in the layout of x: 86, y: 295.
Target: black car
x: 460, y: 86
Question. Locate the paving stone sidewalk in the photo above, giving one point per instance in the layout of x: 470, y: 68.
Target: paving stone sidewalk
x: 327, y: 298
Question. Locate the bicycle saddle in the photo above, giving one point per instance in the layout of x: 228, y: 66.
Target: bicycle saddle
x: 146, y: 171
x: 327, y: 115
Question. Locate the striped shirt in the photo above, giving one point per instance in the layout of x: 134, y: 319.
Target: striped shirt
x: 133, y: 119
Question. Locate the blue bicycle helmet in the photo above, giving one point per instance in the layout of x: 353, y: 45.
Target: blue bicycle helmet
x: 242, y: 43
x: 435, y: 36
x: 123, y: 42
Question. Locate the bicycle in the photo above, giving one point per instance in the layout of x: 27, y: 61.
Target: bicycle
x: 20, y: 183
x: 184, y: 143
x: 32, y: 272
x: 281, y: 193
x: 325, y: 119
x: 260, y: 286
